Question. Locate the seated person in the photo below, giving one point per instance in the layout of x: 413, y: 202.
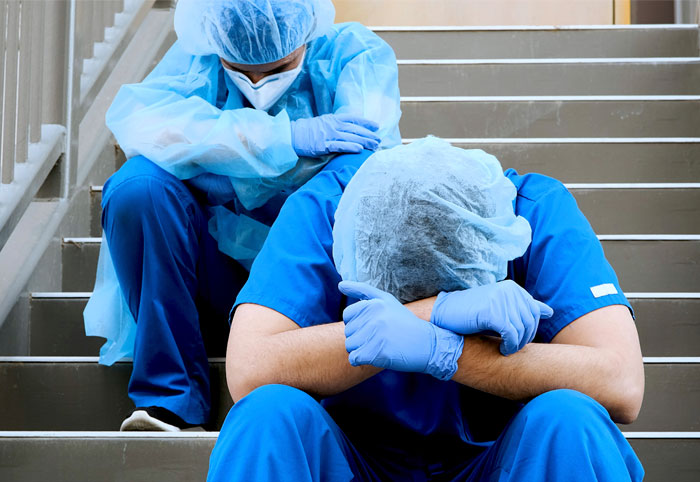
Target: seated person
x: 249, y: 103
x: 424, y: 395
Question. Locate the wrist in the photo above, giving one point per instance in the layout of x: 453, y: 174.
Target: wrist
x: 447, y: 348
x: 436, y: 314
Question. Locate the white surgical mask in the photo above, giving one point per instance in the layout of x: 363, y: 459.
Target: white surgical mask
x: 264, y: 93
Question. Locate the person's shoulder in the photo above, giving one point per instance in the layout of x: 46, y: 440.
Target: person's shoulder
x: 334, y: 177
x: 347, y: 40
x: 536, y: 188
x: 354, y: 28
x: 177, y: 62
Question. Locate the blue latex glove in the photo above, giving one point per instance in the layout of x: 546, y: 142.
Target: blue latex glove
x: 382, y: 332
x: 504, y: 308
x: 331, y: 133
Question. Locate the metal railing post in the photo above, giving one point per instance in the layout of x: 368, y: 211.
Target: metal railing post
x: 3, y: 13
x: 84, y: 25
x: 9, y: 106
x: 25, y: 59
x: 98, y: 21
x: 109, y: 13
x: 37, y: 71
x: 72, y: 99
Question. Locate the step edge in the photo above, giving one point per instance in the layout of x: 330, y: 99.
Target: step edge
x: 551, y: 98
x: 573, y: 185
x: 74, y: 359
x: 648, y: 237
x: 602, y: 237
x: 528, y: 28
x: 565, y: 140
x: 624, y: 61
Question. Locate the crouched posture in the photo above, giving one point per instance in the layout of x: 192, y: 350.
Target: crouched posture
x: 249, y: 103
x: 425, y: 394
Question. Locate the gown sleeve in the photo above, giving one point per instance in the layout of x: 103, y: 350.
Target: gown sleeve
x: 172, y: 118
x: 361, y: 78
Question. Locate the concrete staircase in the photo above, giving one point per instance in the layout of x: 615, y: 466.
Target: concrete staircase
x: 612, y: 112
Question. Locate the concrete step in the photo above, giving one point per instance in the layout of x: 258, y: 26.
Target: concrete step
x: 78, y: 394
x: 668, y: 456
x: 614, y: 208
x: 655, y: 263
x: 668, y: 324
x: 640, y: 208
x: 578, y: 160
x: 542, y: 42
x: 599, y: 160
x: 611, y: 208
x: 102, y: 456
x: 491, y: 77
x: 161, y: 457
x: 57, y: 328
x: 551, y: 116
x: 675, y: 257
x: 79, y: 258
x: 96, y: 209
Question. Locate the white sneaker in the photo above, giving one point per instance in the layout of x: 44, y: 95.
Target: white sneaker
x: 156, y: 419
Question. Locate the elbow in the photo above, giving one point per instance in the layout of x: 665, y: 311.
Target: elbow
x: 629, y: 408
x: 240, y: 379
x: 630, y: 395
x: 238, y: 387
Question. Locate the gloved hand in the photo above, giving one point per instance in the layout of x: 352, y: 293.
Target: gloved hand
x: 331, y: 133
x: 503, y: 307
x: 382, y: 332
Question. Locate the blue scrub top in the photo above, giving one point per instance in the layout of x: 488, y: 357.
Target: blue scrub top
x: 294, y: 274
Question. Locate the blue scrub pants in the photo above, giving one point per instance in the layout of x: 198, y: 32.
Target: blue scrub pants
x: 178, y: 285
x: 281, y: 433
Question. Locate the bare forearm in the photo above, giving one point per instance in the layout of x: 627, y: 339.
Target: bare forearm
x: 312, y: 359
x: 539, y: 368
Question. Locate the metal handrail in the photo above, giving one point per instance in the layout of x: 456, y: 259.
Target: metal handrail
x: 44, y: 47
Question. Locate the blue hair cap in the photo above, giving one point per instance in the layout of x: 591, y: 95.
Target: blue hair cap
x: 428, y: 217
x: 250, y: 32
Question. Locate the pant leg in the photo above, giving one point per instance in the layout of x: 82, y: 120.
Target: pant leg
x: 164, y: 256
x: 281, y: 433
x: 562, y: 435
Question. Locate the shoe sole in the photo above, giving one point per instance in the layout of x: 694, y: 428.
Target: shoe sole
x: 141, y: 421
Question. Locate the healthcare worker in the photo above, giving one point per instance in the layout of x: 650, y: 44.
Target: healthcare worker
x: 251, y: 101
x: 417, y: 391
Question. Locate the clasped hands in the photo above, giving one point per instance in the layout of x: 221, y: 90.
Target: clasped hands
x: 380, y: 331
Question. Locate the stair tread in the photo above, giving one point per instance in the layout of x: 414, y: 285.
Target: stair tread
x: 670, y: 265
x: 87, y: 396
x: 668, y: 324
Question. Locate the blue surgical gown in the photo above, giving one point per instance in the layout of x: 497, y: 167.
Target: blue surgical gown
x: 189, y: 119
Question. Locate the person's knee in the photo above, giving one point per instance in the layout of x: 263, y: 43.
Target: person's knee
x: 565, y: 409
x: 139, y: 189
x: 564, y: 425
x: 277, y: 403
x: 277, y: 432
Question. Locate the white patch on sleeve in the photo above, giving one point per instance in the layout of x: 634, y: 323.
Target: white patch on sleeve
x: 603, y: 290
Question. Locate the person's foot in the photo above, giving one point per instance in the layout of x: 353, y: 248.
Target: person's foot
x: 156, y: 419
